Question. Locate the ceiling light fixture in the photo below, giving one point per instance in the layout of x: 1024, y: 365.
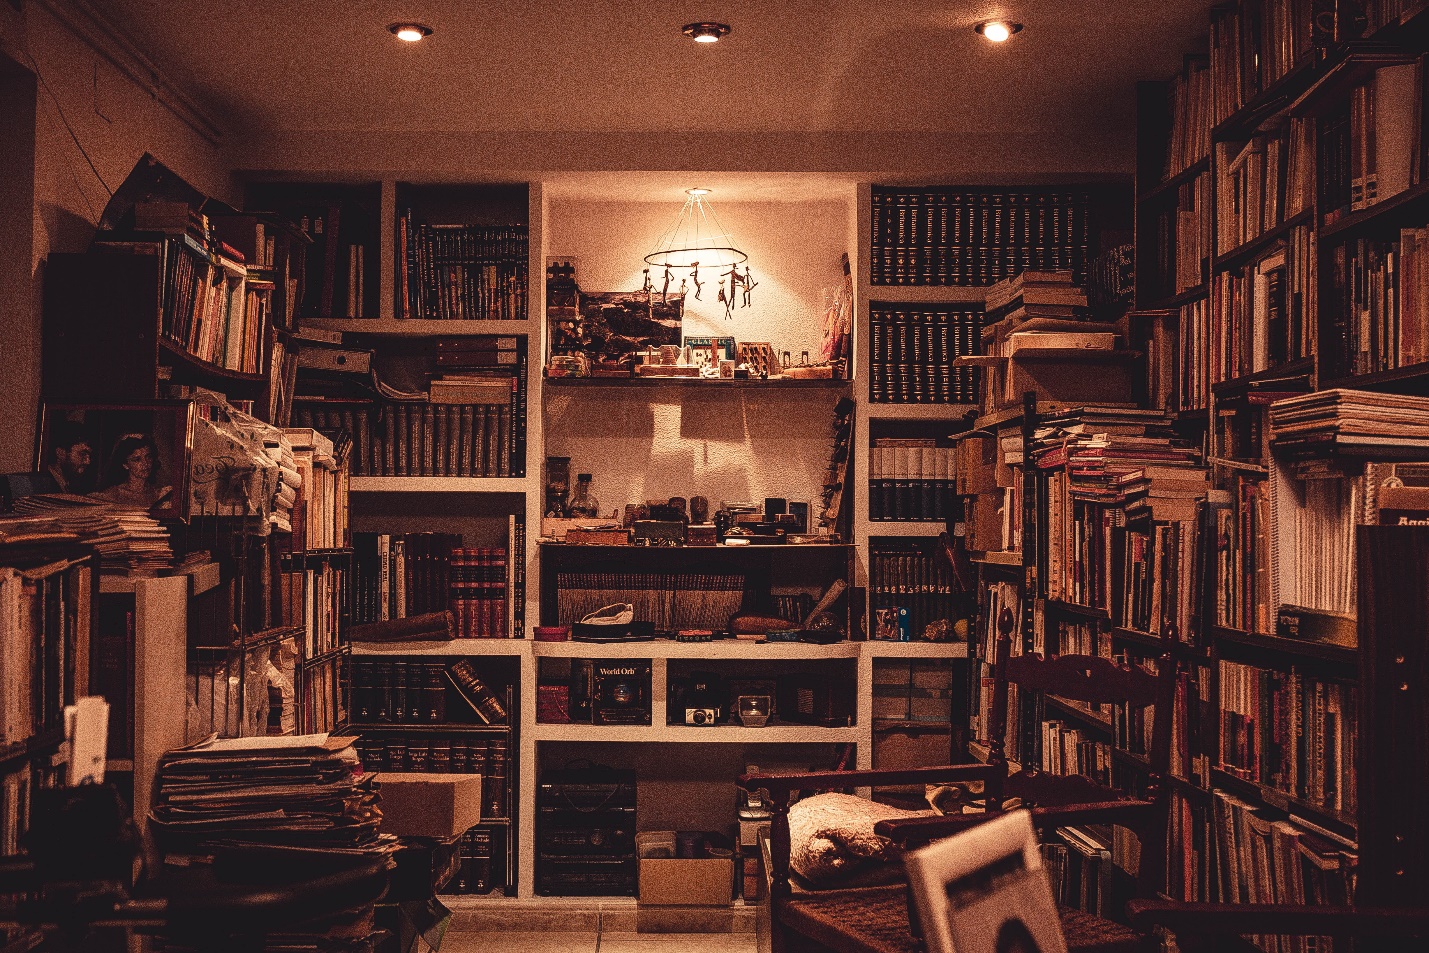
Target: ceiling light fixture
x: 706, y: 32
x: 697, y: 239
x: 410, y: 32
x: 997, y: 31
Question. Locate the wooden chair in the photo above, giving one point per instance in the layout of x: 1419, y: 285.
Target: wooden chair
x: 876, y: 919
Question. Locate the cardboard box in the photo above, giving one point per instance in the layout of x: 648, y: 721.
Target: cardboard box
x: 416, y: 804
x: 707, y: 882
x: 670, y: 881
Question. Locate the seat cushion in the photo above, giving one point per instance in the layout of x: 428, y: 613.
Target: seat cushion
x: 875, y: 920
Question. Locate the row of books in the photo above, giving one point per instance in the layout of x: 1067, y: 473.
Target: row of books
x: 1067, y: 749
x: 1160, y: 577
x: 1177, y: 369
x: 404, y: 575
x: 1253, y: 45
x: 323, y: 708
x: 1266, y: 312
x: 1262, y: 856
x: 1262, y: 183
x: 1190, y: 96
x: 454, y: 754
x: 402, y: 439
x: 416, y: 691
x: 1244, y: 540
x: 910, y: 479
x: 1374, y: 150
x: 481, y: 854
x: 968, y: 237
x: 316, y: 599
x: 1379, y: 306
x: 912, y: 596
x: 1290, y: 731
x: 337, y: 255
x: 1184, y: 241
x: 320, y: 512
x: 43, y: 623
x: 209, y: 306
x: 463, y: 272
x: 912, y: 351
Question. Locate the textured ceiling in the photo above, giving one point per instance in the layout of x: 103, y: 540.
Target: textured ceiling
x: 620, y: 66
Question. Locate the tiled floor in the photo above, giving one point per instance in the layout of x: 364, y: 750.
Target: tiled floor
x: 461, y: 941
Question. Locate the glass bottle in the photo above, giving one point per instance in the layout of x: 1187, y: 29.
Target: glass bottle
x: 584, y: 505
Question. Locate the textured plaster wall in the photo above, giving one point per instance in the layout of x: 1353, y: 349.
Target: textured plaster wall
x: 116, y: 120
x: 726, y: 444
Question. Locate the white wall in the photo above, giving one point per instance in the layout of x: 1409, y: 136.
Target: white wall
x: 116, y: 118
x: 724, y: 444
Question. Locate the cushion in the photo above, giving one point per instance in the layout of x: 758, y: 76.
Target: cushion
x: 831, y: 838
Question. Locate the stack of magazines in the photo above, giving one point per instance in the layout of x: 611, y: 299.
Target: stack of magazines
x: 295, y: 790
x: 129, y: 540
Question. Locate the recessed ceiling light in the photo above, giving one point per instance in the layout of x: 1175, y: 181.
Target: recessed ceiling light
x: 697, y: 191
x: 997, y: 31
x: 411, y: 32
x: 706, y: 32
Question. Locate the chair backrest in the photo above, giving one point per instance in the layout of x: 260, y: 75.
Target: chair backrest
x: 984, y: 889
x: 1085, y: 680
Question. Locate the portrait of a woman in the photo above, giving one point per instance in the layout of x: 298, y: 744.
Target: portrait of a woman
x: 131, y: 476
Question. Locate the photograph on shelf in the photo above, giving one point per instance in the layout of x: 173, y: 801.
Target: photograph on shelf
x: 135, y: 454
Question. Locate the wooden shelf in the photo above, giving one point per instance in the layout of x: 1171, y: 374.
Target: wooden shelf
x: 370, y: 484
x: 1174, y: 182
x: 689, y: 734
x: 1269, y: 105
x: 1394, y: 381
x: 996, y: 559
x: 1357, y: 64
x: 1136, y: 637
x: 718, y: 649
x: 924, y: 294
x: 427, y: 728
x: 697, y: 382
x: 1078, y: 711
x: 926, y: 650
x: 1176, y: 300
x: 906, y: 527
x: 1287, y: 373
x: 1073, y: 608
x: 460, y: 648
x: 1384, y: 217
x: 1261, y: 244
x: 189, y: 366
x: 412, y: 327
x: 720, y: 548
x: 1336, y: 822
x: 1291, y: 649
x: 949, y: 412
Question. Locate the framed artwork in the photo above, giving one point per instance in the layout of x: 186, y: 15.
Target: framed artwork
x: 133, y: 453
x: 984, y: 891
x: 700, y: 349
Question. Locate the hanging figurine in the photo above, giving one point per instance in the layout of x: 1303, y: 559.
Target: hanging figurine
x: 734, y: 282
x: 649, y: 286
x: 749, y: 284
x: 665, y: 286
x: 683, y: 287
x: 695, y: 278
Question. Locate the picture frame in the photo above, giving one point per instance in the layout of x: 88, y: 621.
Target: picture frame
x: 700, y: 345
x: 159, y: 430
x: 984, y: 891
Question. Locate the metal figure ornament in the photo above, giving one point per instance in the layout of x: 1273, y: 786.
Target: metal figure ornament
x: 749, y: 284
x: 665, y: 287
x: 649, y: 286
x: 695, y: 279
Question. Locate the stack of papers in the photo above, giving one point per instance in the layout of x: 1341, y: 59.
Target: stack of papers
x: 298, y: 790
x: 129, y: 540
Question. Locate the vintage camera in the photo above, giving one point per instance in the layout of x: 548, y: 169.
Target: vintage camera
x: 702, y: 716
x: 701, y: 696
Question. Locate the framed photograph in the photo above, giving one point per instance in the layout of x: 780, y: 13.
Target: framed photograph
x: 984, y: 891
x: 135, y: 453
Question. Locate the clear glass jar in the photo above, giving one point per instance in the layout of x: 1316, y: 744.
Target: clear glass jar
x: 584, y: 505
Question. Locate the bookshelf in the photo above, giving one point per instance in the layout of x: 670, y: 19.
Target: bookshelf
x: 1249, y: 295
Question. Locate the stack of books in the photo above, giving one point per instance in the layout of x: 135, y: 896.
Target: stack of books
x: 1349, y: 420
x: 297, y: 790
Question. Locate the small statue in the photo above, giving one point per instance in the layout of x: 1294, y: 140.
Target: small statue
x: 649, y: 286
x: 695, y: 277
x: 665, y: 286
x: 749, y: 284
